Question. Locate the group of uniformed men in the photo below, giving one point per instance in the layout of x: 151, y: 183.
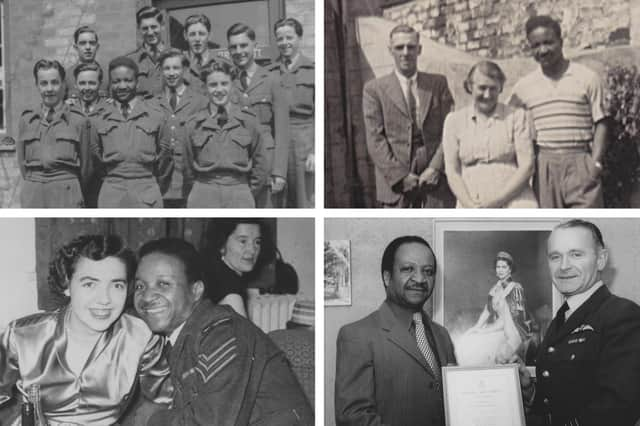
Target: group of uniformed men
x: 172, y: 128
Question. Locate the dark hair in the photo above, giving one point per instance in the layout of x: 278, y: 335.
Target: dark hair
x: 197, y: 19
x: 173, y: 53
x: 93, y: 66
x: 240, y: 28
x: 123, y: 61
x: 579, y: 223
x: 503, y: 255
x: 488, y: 68
x: 84, y: 29
x: 289, y: 22
x: 179, y: 249
x: 219, y: 230
x: 405, y: 29
x: 48, y: 64
x: 215, y: 66
x: 389, y: 254
x: 148, y: 12
x: 93, y: 247
x: 542, y: 21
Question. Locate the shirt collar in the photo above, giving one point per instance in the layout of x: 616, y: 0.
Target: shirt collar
x: 578, y: 300
x: 498, y: 113
x: 404, y: 80
x: 179, y: 91
x: 252, y: 70
x: 294, y: 60
x: 175, y: 333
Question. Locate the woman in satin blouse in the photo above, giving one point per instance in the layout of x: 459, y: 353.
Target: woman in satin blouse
x: 488, y: 148
x: 88, y: 356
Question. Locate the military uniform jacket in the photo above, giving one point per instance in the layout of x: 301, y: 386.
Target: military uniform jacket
x: 227, y: 372
x: 131, y: 148
x: 588, y: 370
x: 149, y: 72
x: 174, y: 131
x: 299, y: 86
x: 234, y: 153
x: 266, y: 99
x: 193, y: 74
x: 56, y: 150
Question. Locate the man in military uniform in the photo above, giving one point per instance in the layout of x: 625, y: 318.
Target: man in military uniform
x: 297, y: 79
x: 587, y: 368
x: 52, y: 147
x: 125, y: 140
x: 224, y: 369
x: 196, y: 32
x: 85, y: 42
x: 178, y: 102
x: 151, y: 25
x: 227, y: 155
x: 258, y: 89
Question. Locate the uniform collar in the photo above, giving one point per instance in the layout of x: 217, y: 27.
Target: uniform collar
x: 175, y: 333
x: 579, y: 299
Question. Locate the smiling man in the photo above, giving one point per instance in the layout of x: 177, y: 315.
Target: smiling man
x: 85, y: 43
x: 388, y: 368
x: 567, y: 104
x: 587, y: 367
x: 150, y: 26
x: 224, y: 369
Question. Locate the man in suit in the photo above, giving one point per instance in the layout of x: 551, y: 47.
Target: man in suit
x: 403, y: 115
x: 588, y: 366
x: 388, y: 369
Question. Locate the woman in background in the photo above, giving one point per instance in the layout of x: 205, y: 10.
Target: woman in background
x: 488, y: 148
x: 235, y: 249
x: 87, y: 357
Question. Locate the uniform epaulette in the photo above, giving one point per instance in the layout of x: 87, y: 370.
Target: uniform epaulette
x: 34, y: 319
x: 216, y: 323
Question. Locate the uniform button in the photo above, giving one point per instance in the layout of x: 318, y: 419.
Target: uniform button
x: 246, y: 95
x: 173, y: 139
x: 551, y: 349
x: 173, y: 116
x: 546, y: 401
x: 173, y: 127
x: 572, y: 357
x: 545, y: 373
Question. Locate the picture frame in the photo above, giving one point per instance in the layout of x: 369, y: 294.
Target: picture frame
x: 337, y: 273
x: 467, y: 286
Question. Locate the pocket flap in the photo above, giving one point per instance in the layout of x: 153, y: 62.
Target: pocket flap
x: 67, y: 135
x: 200, y: 139
x: 242, y: 137
x: 107, y: 129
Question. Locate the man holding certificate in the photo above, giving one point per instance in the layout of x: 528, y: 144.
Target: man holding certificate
x: 588, y: 366
x: 388, y: 367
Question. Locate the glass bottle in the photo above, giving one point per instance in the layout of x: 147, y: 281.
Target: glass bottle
x: 27, y: 416
x: 34, y: 397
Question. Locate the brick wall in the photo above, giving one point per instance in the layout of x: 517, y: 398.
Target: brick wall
x: 495, y: 28
x: 303, y: 11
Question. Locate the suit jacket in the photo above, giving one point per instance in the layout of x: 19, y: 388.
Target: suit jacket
x: 381, y: 376
x: 388, y: 130
x: 588, y: 369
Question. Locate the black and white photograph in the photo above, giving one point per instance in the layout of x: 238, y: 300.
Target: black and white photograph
x: 560, y: 293
x: 481, y: 103
x: 157, y: 103
x: 157, y: 321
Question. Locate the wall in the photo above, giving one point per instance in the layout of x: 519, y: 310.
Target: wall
x: 369, y: 237
x: 495, y: 28
x: 296, y: 238
x: 304, y: 11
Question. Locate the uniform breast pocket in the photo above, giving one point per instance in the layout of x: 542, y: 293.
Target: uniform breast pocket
x: 579, y: 355
x: 111, y: 143
x: 204, y: 152
x: 32, y: 146
x: 146, y: 135
x: 67, y: 146
x: 263, y: 107
x: 240, y: 146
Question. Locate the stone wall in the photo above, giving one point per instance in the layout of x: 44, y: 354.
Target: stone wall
x: 495, y: 28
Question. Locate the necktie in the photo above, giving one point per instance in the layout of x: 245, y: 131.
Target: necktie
x: 222, y: 116
x: 244, y: 80
x: 411, y: 100
x: 560, y: 319
x: 125, y: 110
x: 173, y: 99
x: 49, y: 116
x: 423, y: 345
x: 198, y: 61
x: 287, y: 63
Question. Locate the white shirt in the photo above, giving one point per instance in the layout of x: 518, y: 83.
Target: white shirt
x: 404, y: 84
x: 578, y: 300
x: 175, y: 333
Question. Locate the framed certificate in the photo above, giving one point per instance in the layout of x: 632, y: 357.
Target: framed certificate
x: 483, y: 396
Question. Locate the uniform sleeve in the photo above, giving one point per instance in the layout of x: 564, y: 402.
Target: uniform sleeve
x: 87, y: 167
x: 165, y: 163
x: 187, y: 164
x: 214, y: 387
x: 20, y: 146
x: 9, y: 368
x: 154, y: 372
x: 282, y: 139
x: 354, y: 392
x: 260, y: 156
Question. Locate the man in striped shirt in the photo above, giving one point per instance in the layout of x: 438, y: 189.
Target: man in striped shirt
x: 566, y: 102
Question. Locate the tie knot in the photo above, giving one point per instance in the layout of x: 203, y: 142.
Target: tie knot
x: 417, y: 317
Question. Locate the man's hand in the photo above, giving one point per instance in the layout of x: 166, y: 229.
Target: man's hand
x: 277, y: 184
x: 526, y: 384
x: 429, y: 177
x: 310, y: 164
x: 409, y: 182
x: 595, y: 169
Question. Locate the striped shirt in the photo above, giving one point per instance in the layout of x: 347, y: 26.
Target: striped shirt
x: 564, y: 111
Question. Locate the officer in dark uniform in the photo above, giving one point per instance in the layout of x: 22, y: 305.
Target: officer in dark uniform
x: 151, y: 25
x: 178, y: 102
x: 226, y: 153
x: 259, y: 90
x: 225, y: 370
x: 588, y: 366
x: 197, y: 29
x: 85, y: 42
x: 52, y: 147
x: 126, y: 143
x: 297, y: 77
